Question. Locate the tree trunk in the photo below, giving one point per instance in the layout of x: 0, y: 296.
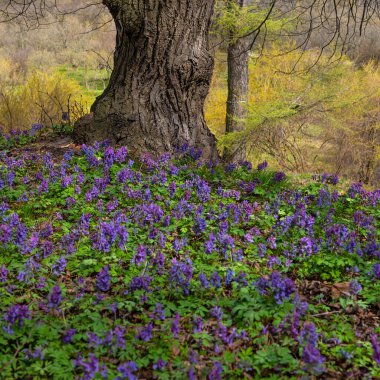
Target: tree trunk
x: 161, y: 77
x: 237, y: 61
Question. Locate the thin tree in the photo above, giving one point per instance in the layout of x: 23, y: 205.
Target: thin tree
x: 236, y: 110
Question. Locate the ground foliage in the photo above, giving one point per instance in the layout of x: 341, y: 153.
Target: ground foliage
x: 117, y: 267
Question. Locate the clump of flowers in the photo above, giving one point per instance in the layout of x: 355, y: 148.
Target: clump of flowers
x: 145, y: 333
x: 90, y: 367
x: 175, y: 327
x: 376, y: 349
x: 3, y: 274
x: 127, y: 371
x: 376, y: 270
x: 183, y: 236
x: 103, y: 279
x: 180, y: 274
x: 355, y: 287
x: 279, y: 176
x: 55, y: 297
x: 262, y: 166
x: 16, y: 314
x: 280, y: 287
x: 311, y: 355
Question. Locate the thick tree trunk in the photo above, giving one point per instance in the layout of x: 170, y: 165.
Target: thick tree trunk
x: 237, y: 61
x: 161, y: 77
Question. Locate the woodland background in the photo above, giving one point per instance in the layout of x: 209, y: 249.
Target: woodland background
x: 307, y: 111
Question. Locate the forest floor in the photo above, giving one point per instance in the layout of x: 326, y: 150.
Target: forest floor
x: 135, y: 268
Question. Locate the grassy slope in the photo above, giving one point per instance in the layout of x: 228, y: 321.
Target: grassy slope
x: 165, y: 267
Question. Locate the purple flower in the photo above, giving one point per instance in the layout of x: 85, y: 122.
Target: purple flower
x: 229, y: 276
x: 119, y: 333
x: 306, y: 246
x: 145, y: 333
x: 191, y: 373
x: 178, y: 244
x: 3, y: 274
x: 197, y: 324
x: 109, y: 157
x: 309, y: 334
x: 277, y: 285
x: 355, y: 288
x: 55, y: 297
x: 152, y: 213
x: 158, y: 313
x: 194, y: 153
x: 59, y: 266
x: 376, y: 349
x: 160, y: 364
x: 107, y: 235
x: 375, y: 270
x: 159, y: 260
x: 140, y: 256
x: 175, y: 327
x: 215, y: 280
x: 272, y: 242
x: 121, y: 154
x: 199, y: 225
x: 67, y: 181
x: 124, y: 174
x: 181, y: 273
x: 47, y: 231
x: 41, y: 283
x: 103, y: 279
x: 230, y: 168
x: 210, y: 244
x: 272, y: 261
x: 313, y: 358
x: 246, y: 164
x: 334, y: 179
x: 356, y: 188
x: 193, y: 357
x: 248, y: 238
x: 16, y: 314
x: 37, y: 354
x: 262, y: 166
x: 127, y: 371
x: 203, y: 280
x: 44, y: 186
x: 90, y: 367
x: 203, y: 189
x: 217, y: 313
x: 80, y: 178
x: 140, y: 282
x: 67, y: 335
x: 84, y: 224
x: 216, y: 372
x: 279, y: 176
x: 94, y: 340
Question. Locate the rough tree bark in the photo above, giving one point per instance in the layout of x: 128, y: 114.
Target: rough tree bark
x: 237, y: 61
x: 161, y: 77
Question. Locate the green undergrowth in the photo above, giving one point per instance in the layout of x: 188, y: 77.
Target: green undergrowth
x: 116, y: 267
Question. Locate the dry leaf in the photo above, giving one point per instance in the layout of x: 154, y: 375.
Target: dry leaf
x: 175, y: 350
x: 340, y: 289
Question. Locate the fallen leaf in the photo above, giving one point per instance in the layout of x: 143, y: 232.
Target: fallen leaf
x: 175, y: 350
x: 340, y: 289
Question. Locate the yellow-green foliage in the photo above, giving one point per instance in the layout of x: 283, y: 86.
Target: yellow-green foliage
x: 215, y: 107
x: 320, y: 117
x: 234, y: 22
x: 7, y: 71
x: 42, y: 99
